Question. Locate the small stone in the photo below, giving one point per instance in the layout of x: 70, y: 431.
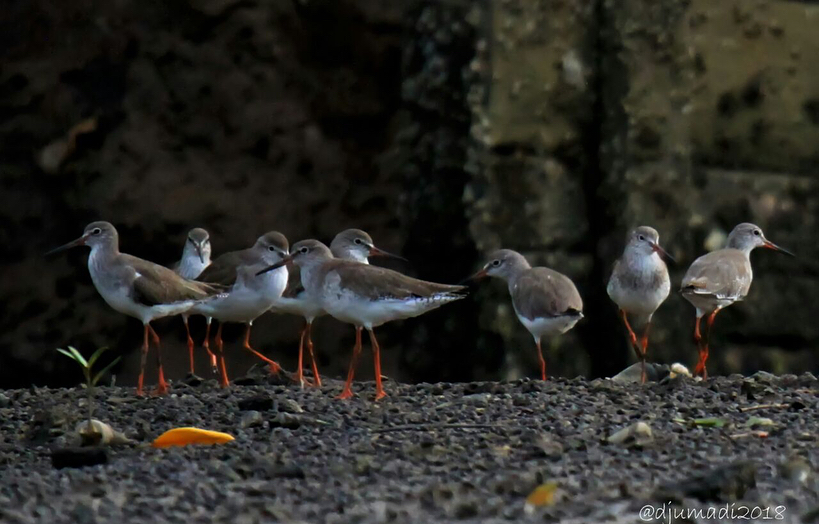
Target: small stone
x: 637, y: 434
x: 289, y: 406
x: 478, y: 399
x: 286, y: 420
x: 763, y: 377
x: 4, y: 401
x: 548, y: 445
x: 251, y: 419
x: 807, y: 378
x: 797, y: 470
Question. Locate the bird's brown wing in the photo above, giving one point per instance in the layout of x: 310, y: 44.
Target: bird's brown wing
x: 154, y: 284
x: 377, y: 282
x: 222, y: 270
x: 541, y: 293
x: 725, y: 273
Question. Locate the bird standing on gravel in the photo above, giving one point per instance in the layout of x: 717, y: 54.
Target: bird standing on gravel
x: 363, y: 295
x: 638, y: 285
x: 195, y: 258
x: 248, y: 297
x: 720, y: 278
x: 350, y: 244
x: 136, y: 287
x: 546, y: 302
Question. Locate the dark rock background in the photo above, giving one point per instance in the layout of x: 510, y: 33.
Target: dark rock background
x: 445, y: 129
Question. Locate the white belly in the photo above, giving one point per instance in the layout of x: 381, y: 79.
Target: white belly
x: 118, y: 299
x: 360, y: 311
x: 301, y: 305
x: 641, y: 302
x: 541, y: 327
x: 708, y: 303
x: 240, y: 305
x: 247, y: 300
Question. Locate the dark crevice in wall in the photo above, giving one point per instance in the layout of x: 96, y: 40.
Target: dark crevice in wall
x: 433, y: 146
x: 600, y: 334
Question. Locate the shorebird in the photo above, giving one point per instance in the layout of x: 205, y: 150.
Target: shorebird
x: 195, y: 258
x: 718, y: 279
x: 638, y: 285
x: 248, y: 297
x: 136, y: 287
x: 350, y: 244
x: 545, y: 301
x: 363, y: 295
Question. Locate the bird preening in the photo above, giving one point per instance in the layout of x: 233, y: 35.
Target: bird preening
x: 312, y: 280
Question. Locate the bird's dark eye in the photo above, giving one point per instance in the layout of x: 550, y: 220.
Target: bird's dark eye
x: 641, y: 237
x: 357, y: 241
x: 96, y: 231
x: 496, y: 263
x: 271, y: 248
x: 757, y: 232
x: 303, y: 250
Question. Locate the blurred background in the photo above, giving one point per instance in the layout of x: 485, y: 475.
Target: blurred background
x: 445, y: 129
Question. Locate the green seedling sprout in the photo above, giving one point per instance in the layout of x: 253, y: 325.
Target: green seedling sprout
x: 91, y: 379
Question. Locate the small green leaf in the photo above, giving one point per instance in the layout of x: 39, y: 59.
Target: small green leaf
x: 105, y: 370
x: 66, y: 353
x: 96, y: 355
x: 711, y: 422
x: 78, y: 356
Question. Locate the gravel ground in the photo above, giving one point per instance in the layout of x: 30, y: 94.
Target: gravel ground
x: 428, y: 453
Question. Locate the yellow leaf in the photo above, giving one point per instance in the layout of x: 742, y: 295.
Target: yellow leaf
x: 543, y: 495
x: 185, y: 436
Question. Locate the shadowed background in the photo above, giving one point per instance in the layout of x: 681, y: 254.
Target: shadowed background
x: 446, y: 129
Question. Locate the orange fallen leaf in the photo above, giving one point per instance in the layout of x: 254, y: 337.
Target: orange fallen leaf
x: 543, y: 495
x: 185, y: 436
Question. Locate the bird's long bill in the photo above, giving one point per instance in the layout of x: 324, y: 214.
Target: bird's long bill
x: 74, y: 243
x: 770, y: 245
x: 662, y: 252
x: 377, y: 252
x: 286, y: 260
x: 474, y: 278
x: 199, y: 252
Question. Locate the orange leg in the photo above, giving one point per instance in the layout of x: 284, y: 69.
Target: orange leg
x: 631, y: 334
x: 142, y: 361
x: 379, y: 389
x: 299, y: 371
x: 644, y: 351
x: 347, y: 392
x: 220, y: 347
x: 542, y: 361
x: 190, y: 342
x: 274, y: 367
x: 698, y: 339
x: 708, y: 341
x: 214, y: 366
x: 316, y: 376
x: 161, y: 386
